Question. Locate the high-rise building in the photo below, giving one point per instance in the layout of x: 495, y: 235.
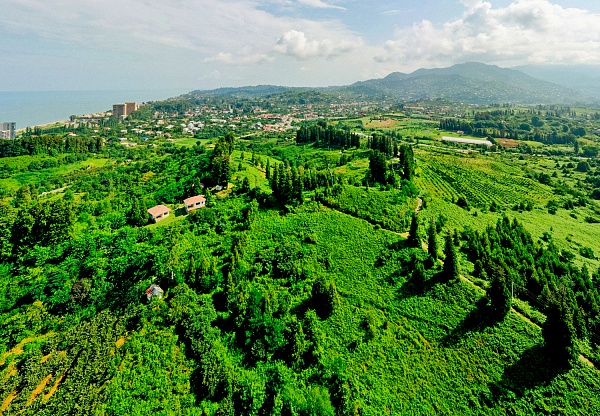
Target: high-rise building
x: 119, y: 110
x: 123, y: 110
x: 130, y: 107
x: 8, y: 130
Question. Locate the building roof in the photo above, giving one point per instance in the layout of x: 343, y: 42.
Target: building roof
x: 154, y: 290
x: 194, y: 200
x: 158, y: 210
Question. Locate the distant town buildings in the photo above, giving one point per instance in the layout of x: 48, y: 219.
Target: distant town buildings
x: 8, y: 130
x: 123, y: 110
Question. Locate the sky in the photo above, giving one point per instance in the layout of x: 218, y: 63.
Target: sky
x: 203, y: 44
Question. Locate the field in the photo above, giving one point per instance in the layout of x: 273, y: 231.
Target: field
x: 55, y: 175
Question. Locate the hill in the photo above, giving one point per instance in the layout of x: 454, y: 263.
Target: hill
x: 365, y: 267
x: 581, y: 78
x: 470, y: 82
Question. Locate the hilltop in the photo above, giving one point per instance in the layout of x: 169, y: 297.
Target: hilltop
x: 471, y: 82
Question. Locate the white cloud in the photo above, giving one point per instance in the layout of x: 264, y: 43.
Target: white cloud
x: 525, y: 31
x: 228, y: 58
x: 319, y: 4
x: 296, y: 44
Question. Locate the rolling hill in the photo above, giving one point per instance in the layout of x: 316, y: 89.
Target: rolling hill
x: 471, y: 82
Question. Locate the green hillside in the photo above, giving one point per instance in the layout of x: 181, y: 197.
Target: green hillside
x: 309, y: 283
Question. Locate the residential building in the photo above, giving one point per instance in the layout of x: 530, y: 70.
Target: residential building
x: 119, y: 110
x: 130, y: 108
x: 154, y: 290
x: 8, y: 130
x: 194, y: 202
x: 123, y: 110
x: 159, y: 212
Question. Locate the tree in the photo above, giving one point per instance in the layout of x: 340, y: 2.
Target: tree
x: 413, y: 233
x: 378, y: 166
x: 138, y: 215
x: 432, y: 241
x: 450, y: 269
x: 268, y: 169
x: 418, y: 275
x: 407, y: 162
x: 559, y: 332
x: 498, y: 294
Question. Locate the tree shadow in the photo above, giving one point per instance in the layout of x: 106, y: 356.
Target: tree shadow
x: 535, y: 367
x: 476, y: 320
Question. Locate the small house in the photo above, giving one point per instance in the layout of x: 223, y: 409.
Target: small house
x: 154, y: 290
x: 194, y: 202
x: 159, y: 212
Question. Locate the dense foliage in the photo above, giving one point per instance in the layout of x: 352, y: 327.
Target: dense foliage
x: 316, y: 280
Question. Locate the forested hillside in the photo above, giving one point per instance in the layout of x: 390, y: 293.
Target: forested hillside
x: 342, y: 264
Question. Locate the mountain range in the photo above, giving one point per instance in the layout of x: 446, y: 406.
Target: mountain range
x: 470, y: 82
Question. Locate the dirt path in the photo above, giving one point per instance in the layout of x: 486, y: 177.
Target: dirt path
x: 419, y: 205
x: 54, y: 191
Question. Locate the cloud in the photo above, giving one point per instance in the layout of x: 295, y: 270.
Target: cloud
x: 228, y: 58
x: 296, y: 44
x: 525, y: 31
x: 319, y: 4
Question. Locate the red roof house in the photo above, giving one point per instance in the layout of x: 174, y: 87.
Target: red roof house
x: 194, y: 202
x: 159, y: 212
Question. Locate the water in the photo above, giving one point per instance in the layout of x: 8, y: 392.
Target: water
x: 32, y: 108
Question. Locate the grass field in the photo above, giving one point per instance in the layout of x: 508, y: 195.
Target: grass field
x: 58, y: 173
x: 483, y: 180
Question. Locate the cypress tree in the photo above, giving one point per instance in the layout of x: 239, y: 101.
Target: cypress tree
x: 559, y: 333
x: 413, y: 233
x: 450, y: 269
x: 418, y: 276
x: 268, y: 169
x: 498, y: 295
x: 432, y: 241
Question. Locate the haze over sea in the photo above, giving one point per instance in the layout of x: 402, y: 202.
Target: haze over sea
x: 32, y: 108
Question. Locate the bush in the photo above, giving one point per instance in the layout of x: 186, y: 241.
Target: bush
x: 587, y: 252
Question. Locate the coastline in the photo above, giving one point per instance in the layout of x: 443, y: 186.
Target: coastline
x: 45, y: 125
x: 42, y: 108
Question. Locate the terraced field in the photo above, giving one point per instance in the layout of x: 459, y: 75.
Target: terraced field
x: 482, y: 180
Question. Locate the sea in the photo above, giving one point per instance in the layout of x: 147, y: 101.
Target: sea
x: 34, y: 108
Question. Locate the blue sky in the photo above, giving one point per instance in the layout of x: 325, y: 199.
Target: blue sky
x: 198, y: 44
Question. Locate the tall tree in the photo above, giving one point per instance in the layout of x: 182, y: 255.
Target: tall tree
x: 498, y: 294
x: 450, y: 269
x: 432, y: 247
x: 407, y: 162
x: 559, y: 332
x: 413, y: 233
x: 378, y: 166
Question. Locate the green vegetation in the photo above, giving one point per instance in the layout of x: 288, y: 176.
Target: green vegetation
x: 356, y: 269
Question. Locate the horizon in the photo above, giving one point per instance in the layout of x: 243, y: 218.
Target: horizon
x: 311, y: 43
x: 164, y: 90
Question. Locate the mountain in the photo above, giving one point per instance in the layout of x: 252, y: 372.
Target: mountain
x: 471, y: 82
x: 582, y: 78
x: 248, y: 91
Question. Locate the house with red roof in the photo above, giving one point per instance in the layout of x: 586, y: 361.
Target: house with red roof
x: 194, y: 202
x: 159, y: 212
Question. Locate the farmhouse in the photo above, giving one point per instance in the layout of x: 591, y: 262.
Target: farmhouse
x: 159, y: 212
x: 154, y: 290
x: 194, y: 202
